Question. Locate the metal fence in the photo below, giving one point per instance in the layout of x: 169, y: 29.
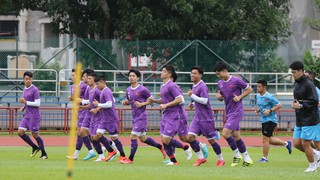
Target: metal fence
x: 58, y: 119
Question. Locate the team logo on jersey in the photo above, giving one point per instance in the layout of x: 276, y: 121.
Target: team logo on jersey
x: 230, y: 86
x: 265, y: 100
x: 136, y: 93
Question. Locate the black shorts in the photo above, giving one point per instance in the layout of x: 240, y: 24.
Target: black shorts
x: 268, y: 128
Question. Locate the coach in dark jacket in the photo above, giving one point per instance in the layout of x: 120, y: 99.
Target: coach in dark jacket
x: 307, y: 127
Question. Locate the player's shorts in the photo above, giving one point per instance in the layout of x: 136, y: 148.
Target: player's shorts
x: 110, y: 126
x: 183, y: 128
x: 233, y: 121
x: 139, y: 128
x: 169, y: 127
x: 81, y: 117
x: 268, y: 128
x: 307, y: 132
x: 86, y: 121
x: 206, y: 128
x: 33, y: 124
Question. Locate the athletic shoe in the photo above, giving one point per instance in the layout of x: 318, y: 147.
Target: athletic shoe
x: 220, y: 163
x: 172, y: 164
x: 163, y: 153
x: 289, y: 146
x: 188, y: 153
x: 34, y: 152
x: 99, y: 160
x: 89, y: 156
x: 111, y: 155
x: 44, y: 156
x: 122, y: 158
x: 126, y: 161
x: 114, y: 147
x: 236, y: 161
x: 263, y: 160
x: 199, y: 162
x: 246, y: 164
x: 166, y: 161
x: 72, y: 157
x: 204, y: 150
x: 311, y: 169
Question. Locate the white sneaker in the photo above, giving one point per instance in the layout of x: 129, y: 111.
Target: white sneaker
x: 311, y: 169
x: 72, y: 157
x: 172, y: 164
x: 188, y: 153
x: 103, y: 149
x: 99, y: 159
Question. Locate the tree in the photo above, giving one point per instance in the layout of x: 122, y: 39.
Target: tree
x: 314, y: 23
x: 312, y: 63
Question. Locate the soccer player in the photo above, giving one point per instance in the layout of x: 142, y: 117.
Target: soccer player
x: 230, y: 90
x: 108, y: 121
x: 137, y: 96
x: 203, y: 122
x: 81, y: 113
x: 172, y: 113
x: 31, y: 120
x: 268, y: 105
x: 307, y: 115
x: 85, y: 125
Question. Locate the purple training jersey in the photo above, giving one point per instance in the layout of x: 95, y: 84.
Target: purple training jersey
x: 94, y: 95
x: 203, y: 112
x: 108, y: 114
x: 140, y: 94
x: 169, y: 92
x: 233, y: 86
x: 31, y: 94
x: 83, y: 87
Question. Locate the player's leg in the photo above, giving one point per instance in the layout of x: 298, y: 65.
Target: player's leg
x: 242, y: 149
x: 23, y: 127
x: 194, y: 131
x: 183, y: 135
x: 84, y: 132
x: 151, y: 142
x: 307, y: 135
x: 209, y: 131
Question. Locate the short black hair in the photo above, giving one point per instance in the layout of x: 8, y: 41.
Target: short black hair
x: 99, y: 77
x: 313, y: 74
x: 263, y: 82
x: 220, y: 66
x: 27, y: 73
x: 87, y: 71
x: 200, y: 69
x: 136, y: 72
x: 73, y: 70
x: 171, y: 69
x: 94, y: 75
x: 297, y: 65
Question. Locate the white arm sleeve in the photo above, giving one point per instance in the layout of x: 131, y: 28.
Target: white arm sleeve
x: 199, y: 99
x: 84, y: 101
x: 36, y: 103
x: 105, y: 105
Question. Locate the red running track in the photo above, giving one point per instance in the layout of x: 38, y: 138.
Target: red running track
x: 64, y: 140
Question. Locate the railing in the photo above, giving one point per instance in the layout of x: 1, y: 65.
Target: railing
x: 58, y: 119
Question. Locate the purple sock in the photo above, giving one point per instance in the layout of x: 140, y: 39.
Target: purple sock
x: 241, y: 146
x: 119, y: 147
x: 87, y: 142
x: 97, y: 147
x: 41, y: 145
x: 176, y: 144
x: 216, y: 147
x: 168, y: 149
x: 27, y: 139
x: 173, y: 149
x: 153, y: 143
x: 106, y: 143
x: 79, y: 143
x: 232, y: 143
x: 195, y: 145
x: 134, y: 147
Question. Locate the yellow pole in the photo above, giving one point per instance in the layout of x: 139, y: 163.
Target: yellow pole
x: 75, y: 109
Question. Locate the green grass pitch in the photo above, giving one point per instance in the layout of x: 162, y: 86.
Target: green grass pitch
x: 16, y: 164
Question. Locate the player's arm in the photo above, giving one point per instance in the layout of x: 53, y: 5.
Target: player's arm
x: 175, y: 102
x: 246, y: 92
x: 106, y: 105
x: 201, y: 100
x: 219, y: 96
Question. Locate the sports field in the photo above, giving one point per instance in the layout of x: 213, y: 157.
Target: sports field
x: 16, y: 164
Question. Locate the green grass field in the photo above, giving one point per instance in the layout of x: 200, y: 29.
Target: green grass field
x: 16, y: 164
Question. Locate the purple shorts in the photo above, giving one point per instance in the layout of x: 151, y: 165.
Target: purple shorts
x: 81, y: 117
x: 33, y: 124
x: 140, y: 126
x: 86, y: 121
x: 233, y: 121
x: 169, y: 127
x: 110, y: 126
x: 206, y: 128
x: 183, y: 128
